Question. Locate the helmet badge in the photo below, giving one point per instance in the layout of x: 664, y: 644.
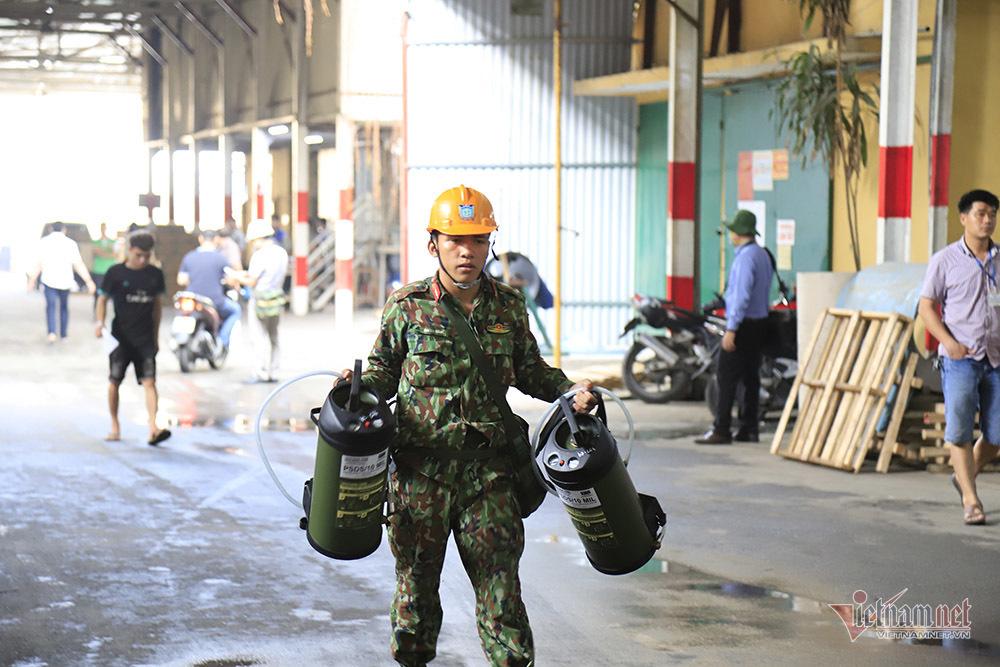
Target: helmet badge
x: 467, y: 211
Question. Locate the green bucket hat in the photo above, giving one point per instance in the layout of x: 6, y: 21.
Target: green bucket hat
x: 744, y: 224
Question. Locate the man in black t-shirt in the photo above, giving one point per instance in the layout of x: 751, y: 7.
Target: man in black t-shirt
x: 136, y: 289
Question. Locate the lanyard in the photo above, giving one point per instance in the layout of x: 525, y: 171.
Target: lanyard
x: 991, y: 272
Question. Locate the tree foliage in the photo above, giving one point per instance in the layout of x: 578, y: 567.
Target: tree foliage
x: 821, y: 107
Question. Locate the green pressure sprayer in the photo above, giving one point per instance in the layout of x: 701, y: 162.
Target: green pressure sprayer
x: 577, y: 459
x: 344, y: 501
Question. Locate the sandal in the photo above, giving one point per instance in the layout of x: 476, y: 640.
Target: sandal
x: 160, y: 436
x: 974, y: 516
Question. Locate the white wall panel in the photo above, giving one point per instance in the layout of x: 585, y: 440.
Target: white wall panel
x: 481, y: 112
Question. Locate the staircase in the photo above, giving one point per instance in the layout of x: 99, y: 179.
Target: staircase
x: 322, y: 270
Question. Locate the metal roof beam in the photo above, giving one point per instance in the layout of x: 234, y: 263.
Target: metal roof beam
x: 31, y: 31
x: 235, y: 15
x: 153, y: 53
x: 125, y: 52
x: 172, y: 35
x: 199, y: 23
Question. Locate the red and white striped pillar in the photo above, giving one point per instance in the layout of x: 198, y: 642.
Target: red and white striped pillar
x: 344, y: 227
x: 300, y: 218
x: 226, y: 160
x: 942, y: 92
x: 682, y: 171
x: 895, y: 129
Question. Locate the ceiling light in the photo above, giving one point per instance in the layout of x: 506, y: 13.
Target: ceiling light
x: 313, y: 139
x: 277, y: 130
x: 112, y: 60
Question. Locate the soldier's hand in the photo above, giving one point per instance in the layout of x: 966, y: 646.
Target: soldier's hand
x: 99, y: 330
x: 345, y: 376
x: 584, y: 401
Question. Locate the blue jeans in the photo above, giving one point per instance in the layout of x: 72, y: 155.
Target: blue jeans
x: 229, y: 311
x: 970, y: 385
x: 54, y: 297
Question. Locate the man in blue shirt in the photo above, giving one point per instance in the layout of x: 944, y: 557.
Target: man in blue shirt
x: 203, y: 271
x: 746, y: 328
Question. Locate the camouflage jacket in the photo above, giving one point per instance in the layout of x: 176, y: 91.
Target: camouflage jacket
x: 442, y: 401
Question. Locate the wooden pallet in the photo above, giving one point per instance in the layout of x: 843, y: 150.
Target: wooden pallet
x: 890, y: 439
x: 851, y: 362
x: 931, y: 447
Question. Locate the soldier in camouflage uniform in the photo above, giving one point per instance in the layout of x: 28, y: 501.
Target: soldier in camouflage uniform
x: 453, y: 473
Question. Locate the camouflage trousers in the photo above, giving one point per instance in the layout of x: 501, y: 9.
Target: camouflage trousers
x: 490, y: 537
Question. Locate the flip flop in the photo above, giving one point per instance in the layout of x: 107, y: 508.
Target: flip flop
x: 974, y: 516
x: 159, y: 437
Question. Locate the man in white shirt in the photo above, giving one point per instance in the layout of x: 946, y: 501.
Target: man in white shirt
x: 266, y: 276
x: 58, y: 258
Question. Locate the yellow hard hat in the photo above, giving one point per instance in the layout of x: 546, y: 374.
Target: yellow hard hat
x: 462, y: 211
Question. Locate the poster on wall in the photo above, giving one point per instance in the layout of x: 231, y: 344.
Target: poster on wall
x: 744, y: 176
x: 786, y: 239
x: 786, y: 232
x: 780, y: 164
x: 759, y: 209
x: 763, y: 171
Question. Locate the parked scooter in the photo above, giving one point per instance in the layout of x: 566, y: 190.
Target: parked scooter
x: 194, y: 332
x: 673, y: 350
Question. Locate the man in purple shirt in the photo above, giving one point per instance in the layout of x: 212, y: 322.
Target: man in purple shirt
x: 963, y: 280
x: 746, y: 327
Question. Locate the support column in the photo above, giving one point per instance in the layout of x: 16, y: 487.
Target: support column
x: 299, y: 227
x: 684, y: 107
x: 259, y: 172
x: 895, y: 130
x: 942, y: 92
x: 300, y: 218
x: 150, y: 154
x: 344, y: 249
x: 226, y: 153
x: 195, y: 171
x: 168, y: 139
x: 169, y: 149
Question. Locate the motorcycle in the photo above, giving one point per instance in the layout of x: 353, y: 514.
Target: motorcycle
x: 673, y: 350
x: 194, y: 332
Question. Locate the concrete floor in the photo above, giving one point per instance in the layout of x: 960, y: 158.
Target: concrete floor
x: 122, y: 554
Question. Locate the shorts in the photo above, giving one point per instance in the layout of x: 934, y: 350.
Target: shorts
x: 142, y: 358
x: 970, y: 385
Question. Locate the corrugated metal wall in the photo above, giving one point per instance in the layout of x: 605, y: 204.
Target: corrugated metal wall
x: 480, y: 112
